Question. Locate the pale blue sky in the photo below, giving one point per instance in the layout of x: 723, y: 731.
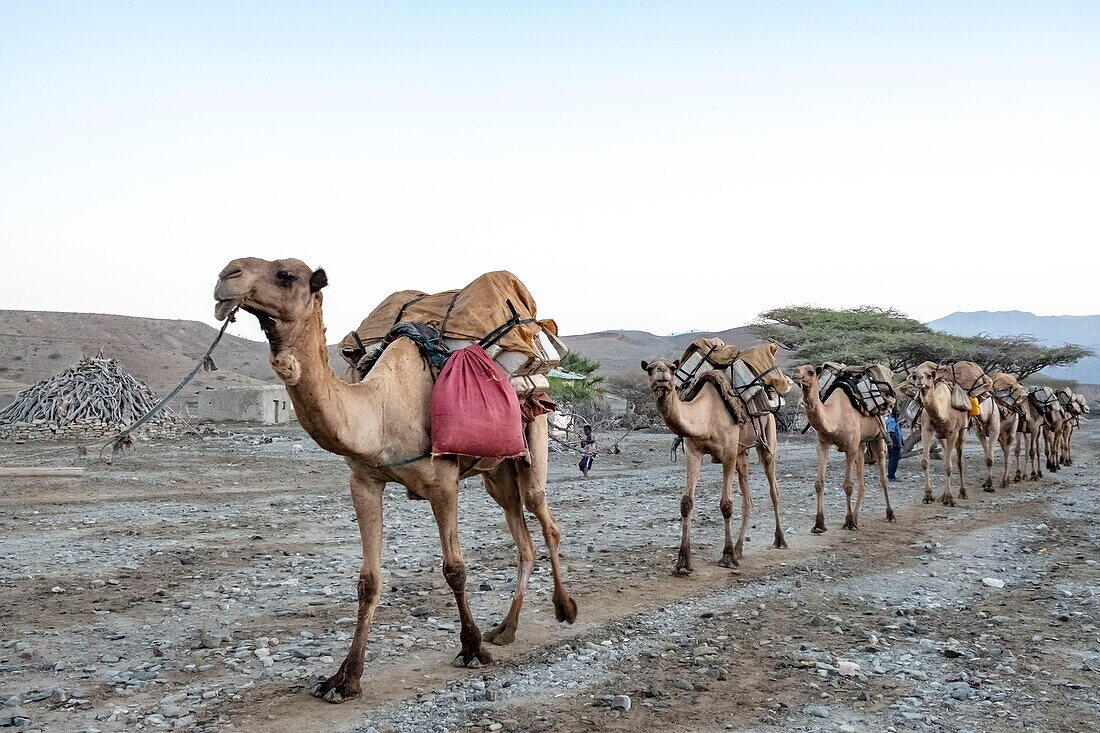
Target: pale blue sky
x: 660, y: 166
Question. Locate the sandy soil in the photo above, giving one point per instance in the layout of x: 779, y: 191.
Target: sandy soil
x: 201, y: 585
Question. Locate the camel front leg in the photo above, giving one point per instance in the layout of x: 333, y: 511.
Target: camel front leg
x: 853, y: 463
x: 1051, y: 448
x: 767, y: 460
x: 693, y: 459
x: 725, y: 505
x: 532, y: 486
x: 445, y: 508
x: 366, y: 496
x: 948, y: 445
x: 1005, y: 441
x: 880, y: 461
x: 819, y: 485
x: 926, y: 463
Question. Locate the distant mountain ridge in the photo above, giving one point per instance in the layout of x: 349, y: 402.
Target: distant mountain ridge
x: 1054, y: 330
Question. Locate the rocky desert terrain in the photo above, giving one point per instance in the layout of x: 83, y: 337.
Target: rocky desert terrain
x: 202, y: 584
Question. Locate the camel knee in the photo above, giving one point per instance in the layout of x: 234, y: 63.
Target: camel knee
x: 368, y: 590
x: 924, y: 464
x: 726, y: 507
x: 686, y: 504
x: 455, y: 575
x: 819, y: 486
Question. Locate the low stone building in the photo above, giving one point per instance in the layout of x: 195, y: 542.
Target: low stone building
x: 267, y: 404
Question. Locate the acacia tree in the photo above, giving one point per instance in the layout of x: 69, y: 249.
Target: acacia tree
x: 877, y: 335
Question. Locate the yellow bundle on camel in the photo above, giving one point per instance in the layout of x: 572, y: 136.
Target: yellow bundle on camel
x: 495, y: 310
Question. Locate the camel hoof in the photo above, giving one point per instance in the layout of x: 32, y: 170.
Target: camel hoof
x: 728, y: 561
x: 890, y: 515
x: 473, y: 660
x: 683, y: 570
x: 502, y: 634
x: 928, y: 499
x: 336, y: 692
x: 565, y: 610
x: 819, y: 530
x: 950, y: 500
x: 850, y: 525
x: 990, y: 490
x: 780, y: 543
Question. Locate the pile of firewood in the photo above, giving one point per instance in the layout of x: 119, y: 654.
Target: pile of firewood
x: 97, y: 390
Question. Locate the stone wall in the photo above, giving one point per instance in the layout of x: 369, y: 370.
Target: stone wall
x: 83, y: 431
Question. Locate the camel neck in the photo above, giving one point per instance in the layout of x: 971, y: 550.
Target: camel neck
x: 319, y: 396
x: 678, y: 415
x: 816, y: 412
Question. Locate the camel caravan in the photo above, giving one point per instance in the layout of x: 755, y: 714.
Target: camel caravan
x: 440, y: 387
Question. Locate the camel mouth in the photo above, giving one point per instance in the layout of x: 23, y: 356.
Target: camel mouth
x: 225, y: 307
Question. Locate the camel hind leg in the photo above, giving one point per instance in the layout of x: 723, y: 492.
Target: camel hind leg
x: 445, y: 508
x: 926, y: 464
x: 729, y: 554
x: 959, y: 440
x: 742, y: 465
x: 502, y: 484
x: 532, y: 486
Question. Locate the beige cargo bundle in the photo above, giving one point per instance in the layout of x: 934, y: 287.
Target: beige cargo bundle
x: 1008, y: 391
x: 752, y: 372
x: 494, y: 307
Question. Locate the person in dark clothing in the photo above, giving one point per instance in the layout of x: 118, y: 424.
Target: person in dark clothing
x: 588, y: 451
x: 894, y: 441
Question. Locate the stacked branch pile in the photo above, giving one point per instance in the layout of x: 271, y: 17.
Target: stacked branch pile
x: 95, y: 398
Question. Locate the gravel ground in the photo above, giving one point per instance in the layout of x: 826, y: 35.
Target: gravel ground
x: 201, y: 584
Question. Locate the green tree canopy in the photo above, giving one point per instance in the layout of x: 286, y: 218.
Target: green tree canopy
x: 877, y: 335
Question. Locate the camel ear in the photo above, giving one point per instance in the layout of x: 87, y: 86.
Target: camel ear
x: 773, y: 348
x: 645, y: 365
x: 676, y: 364
x: 318, y: 280
x: 818, y: 370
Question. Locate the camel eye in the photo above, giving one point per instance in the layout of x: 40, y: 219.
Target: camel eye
x: 285, y: 278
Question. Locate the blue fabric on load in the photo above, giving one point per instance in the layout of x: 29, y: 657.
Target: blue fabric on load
x: 426, y: 338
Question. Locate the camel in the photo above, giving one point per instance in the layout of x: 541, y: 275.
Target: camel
x: 942, y: 421
x: 1010, y: 397
x: 1052, y: 422
x: 987, y: 425
x: 838, y: 423
x: 1076, y: 407
x: 381, y: 428
x: 1029, y: 432
x: 705, y: 424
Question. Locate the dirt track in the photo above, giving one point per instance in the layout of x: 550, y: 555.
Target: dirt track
x: 201, y: 586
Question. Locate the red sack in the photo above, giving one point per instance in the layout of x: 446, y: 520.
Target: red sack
x: 475, y: 411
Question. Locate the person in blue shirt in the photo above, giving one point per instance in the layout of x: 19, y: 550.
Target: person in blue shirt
x: 894, y: 442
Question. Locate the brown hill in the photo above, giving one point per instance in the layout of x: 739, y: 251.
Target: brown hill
x: 37, y: 344
x: 620, y: 351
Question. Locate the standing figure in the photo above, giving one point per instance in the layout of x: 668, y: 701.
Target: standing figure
x: 588, y: 451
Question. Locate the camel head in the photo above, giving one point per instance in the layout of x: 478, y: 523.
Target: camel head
x: 806, y: 376
x: 283, y: 291
x: 662, y: 375
x: 761, y: 358
x: 923, y: 376
x: 1081, y: 402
